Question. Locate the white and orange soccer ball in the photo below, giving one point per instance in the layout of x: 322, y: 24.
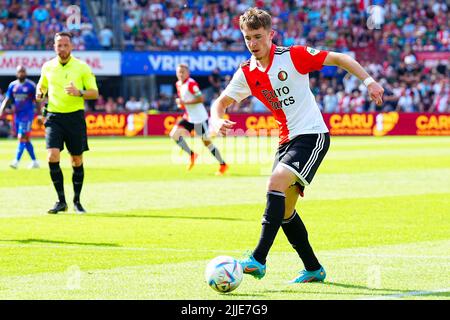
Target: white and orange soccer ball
x: 224, y: 274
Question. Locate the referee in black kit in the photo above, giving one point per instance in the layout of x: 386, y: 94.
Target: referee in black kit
x: 67, y: 82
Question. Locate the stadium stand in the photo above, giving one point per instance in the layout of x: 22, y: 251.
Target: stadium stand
x: 30, y: 25
x: 388, y: 37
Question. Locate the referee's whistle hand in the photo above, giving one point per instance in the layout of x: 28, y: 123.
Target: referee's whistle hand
x: 71, y: 89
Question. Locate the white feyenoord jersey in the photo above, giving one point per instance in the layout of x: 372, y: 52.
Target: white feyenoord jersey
x: 188, y: 90
x: 284, y: 89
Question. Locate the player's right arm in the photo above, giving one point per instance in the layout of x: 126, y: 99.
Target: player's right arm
x: 219, y: 124
x: 42, y: 86
x: 7, y: 101
x: 236, y: 91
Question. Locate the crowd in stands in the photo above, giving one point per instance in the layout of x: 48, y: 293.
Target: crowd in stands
x: 329, y: 24
x: 388, y: 35
x: 385, y: 35
x: 410, y: 88
x: 31, y: 24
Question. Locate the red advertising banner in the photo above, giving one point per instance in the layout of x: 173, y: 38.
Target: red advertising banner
x: 346, y: 124
x: 103, y: 124
x: 339, y: 124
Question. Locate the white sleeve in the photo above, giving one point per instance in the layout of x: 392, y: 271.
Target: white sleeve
x: 238, y: 88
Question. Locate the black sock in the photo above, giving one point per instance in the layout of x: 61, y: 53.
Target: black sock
x: 272, y: 219
x: 77, y: 180
x: 215, y: 152
x: 295, y: 231
x: 183, y: 145
x: 58, y: 180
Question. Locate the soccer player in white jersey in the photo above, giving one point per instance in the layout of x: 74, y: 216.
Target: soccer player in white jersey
x: 195, y: 117
x: 278, y: 77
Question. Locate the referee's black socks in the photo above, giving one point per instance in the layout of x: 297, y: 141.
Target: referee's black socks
x: 77, y: 180
x: 295, y: 231
x: 272, y: 219
x: 58, y: 180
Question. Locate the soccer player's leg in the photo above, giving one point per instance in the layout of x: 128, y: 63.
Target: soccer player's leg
x: 25, y: 135
x: 297, y: 235
x: 303, y: 158
x: 279, y: 182
x: 53, y: 156
x: 21, y: 146
x: 181, y: 129
x: 54, y: 140
x: 77, y: 181
x: 202, y: 130
x: 77, y: 144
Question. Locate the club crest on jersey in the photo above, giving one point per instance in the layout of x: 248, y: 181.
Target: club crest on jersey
x: 312, y: 51
x: 282, y: 75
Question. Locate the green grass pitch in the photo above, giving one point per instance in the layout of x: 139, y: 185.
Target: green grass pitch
x: 378, y: 216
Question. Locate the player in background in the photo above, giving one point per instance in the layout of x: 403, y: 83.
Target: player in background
x: 190, y: 99
x: 21, y: 94
x: 278, y: 77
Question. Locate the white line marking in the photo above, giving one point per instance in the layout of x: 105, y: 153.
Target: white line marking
x: 406, y: 294
x: 382, y: 255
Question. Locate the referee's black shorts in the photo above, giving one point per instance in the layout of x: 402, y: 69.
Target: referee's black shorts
x: 303, y: 155
x: 68, y: 128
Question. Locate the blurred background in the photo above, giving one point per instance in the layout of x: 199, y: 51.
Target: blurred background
x: 133, y: 47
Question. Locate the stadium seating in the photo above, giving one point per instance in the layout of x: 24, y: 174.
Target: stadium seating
x: 386, y: 36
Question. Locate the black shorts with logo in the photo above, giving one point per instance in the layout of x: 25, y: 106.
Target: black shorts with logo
x: 303, y: 155
x: 201, y: 129
x: 68, y: 128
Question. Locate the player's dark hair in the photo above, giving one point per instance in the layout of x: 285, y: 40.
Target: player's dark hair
x: 63, y: 34
x: 254, y: 18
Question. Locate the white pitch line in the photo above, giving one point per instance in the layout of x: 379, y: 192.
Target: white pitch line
x: 383, y: 255
x: 406, y: 294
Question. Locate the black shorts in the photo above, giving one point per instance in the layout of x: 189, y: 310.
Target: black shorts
x: 303, y: 155
x: 201, y: 129
x: 68, y: 128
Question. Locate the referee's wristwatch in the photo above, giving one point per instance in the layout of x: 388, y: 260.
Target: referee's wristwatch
x: 81, y: 93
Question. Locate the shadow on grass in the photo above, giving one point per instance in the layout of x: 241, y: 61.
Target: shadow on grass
x: 353, y: 286
x: 30, y: 241
x: 304, y: 287
x: 235, y: 294
x: 156, y: 216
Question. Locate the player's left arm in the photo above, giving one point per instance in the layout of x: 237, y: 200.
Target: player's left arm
x: 352, y: 66
x: 196, y: 99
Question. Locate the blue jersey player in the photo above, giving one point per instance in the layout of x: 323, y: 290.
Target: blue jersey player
x: 21, y: 93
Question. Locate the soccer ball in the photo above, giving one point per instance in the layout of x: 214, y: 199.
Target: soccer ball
x: 224, y: 274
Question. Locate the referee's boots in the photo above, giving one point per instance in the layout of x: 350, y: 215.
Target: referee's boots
x: 78, y: 207
x: 58, y: 207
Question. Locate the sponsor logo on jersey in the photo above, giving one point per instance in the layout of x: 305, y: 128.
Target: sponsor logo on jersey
x: 312, y: 51
x: 277, y: 98
x: 282, y: 75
